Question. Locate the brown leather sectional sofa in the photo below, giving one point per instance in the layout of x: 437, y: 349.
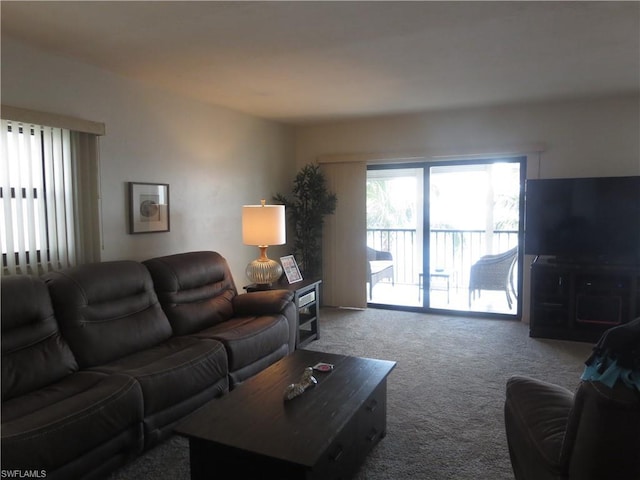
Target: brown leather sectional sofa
x: 99, y: 362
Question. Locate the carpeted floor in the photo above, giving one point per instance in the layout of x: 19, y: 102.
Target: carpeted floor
x: 445, y: 396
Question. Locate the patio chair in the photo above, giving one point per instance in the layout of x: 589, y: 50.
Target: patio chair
x: 494, y: 272
x: 379, y: 266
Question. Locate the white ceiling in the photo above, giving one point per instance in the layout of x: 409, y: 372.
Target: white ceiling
x: 303, y: 61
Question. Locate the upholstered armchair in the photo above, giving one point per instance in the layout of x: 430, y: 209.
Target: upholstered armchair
x: 592, y: 434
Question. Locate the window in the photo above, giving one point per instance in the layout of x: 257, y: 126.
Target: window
x: 437, y: 219
x: 49, y: 191
x: 36, y: 198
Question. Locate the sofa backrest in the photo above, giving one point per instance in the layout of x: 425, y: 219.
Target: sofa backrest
x: 34, y: 354
x: 107, y: 310
x: 195, y: 289
x: 602, y: 439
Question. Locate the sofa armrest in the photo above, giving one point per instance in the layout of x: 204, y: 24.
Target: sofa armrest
x: 264, y: 302
x: 536, y: 418
x: 269, y: 302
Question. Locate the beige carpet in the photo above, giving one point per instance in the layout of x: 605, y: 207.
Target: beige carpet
x: 445, y: 397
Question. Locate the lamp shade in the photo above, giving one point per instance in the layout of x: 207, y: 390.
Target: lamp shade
x: 263, y: 225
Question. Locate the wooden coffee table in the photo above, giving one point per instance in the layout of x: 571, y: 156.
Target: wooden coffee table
x: 324, y: 433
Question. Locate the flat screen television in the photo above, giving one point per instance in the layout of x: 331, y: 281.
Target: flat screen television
x: 584, y: 219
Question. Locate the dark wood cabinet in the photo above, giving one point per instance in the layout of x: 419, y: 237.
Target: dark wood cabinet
x: 580, y: 301
x: 306, y: 296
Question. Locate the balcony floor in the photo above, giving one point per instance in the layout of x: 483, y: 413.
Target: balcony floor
x: 457, y: 299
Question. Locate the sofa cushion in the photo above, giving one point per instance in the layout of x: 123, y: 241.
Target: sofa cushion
x: 172, y: 373
x: 33, y: 352
x: 252, y: 343
x: 107, y: 310
x: 195, y: 289
x: 56, y: 425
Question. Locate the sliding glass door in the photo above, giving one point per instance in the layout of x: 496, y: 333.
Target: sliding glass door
x: 452, y: 230
x: 395, y: 233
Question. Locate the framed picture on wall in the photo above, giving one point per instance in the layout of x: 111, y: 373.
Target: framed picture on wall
x: 291, y: 269
x: 148, y: 207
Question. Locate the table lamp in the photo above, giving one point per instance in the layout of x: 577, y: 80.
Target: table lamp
x: 263, y: 225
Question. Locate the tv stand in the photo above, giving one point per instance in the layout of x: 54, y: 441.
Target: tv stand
x: 579, y: 301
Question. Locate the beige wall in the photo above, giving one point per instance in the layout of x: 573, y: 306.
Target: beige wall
x: 599, y: 137
x: 214, y: 159
x: 582, y: 138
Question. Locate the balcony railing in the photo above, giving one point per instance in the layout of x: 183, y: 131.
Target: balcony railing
x: 453, y: 251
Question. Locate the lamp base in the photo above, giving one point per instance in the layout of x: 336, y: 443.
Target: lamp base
x: 263, y: 270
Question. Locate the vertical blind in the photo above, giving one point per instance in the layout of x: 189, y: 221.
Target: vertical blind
x: 344, y: 240
x: 37, y: 195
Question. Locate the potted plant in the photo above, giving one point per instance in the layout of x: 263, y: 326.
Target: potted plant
x: 306, y: 207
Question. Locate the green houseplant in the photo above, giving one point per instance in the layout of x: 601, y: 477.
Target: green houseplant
x: 306, y: 207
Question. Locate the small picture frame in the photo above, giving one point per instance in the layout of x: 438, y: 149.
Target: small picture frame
x: 291, y: 269
x: 148, y: 207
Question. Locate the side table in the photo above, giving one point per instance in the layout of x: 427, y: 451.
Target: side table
x: 306, y: 297
x: 444, y: 283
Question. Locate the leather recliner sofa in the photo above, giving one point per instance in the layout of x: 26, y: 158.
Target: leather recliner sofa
x: 590, y: 434
x: 95, y: 369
